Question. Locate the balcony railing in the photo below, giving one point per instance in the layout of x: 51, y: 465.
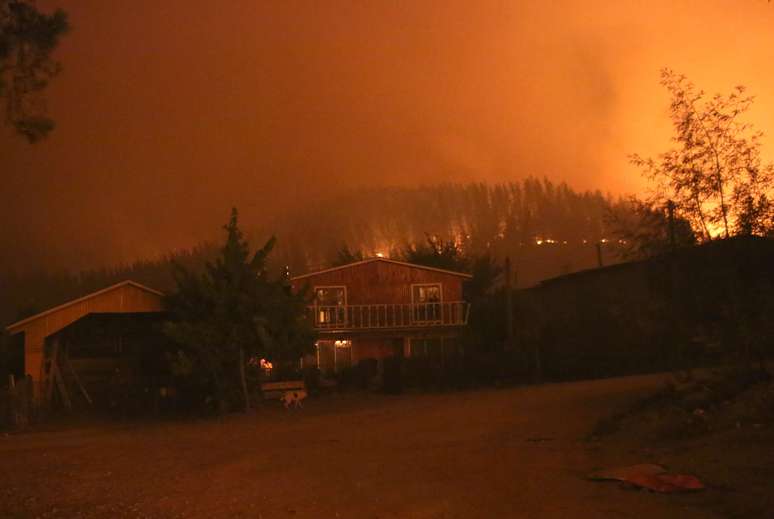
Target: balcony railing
x: 379, y: 316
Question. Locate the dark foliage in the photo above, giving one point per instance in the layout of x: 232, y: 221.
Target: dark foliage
x: 547, y: 229
x: 645, y: 231
x: 714, y: 173
x: 27, y: 40
x: 5, y: 368
x: 345, y: 256
x: 437, y: 253
x: 482, y: 220
x: 30, y: 293
x: 232, y: 313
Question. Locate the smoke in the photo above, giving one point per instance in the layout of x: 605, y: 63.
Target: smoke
x: 170, y: 113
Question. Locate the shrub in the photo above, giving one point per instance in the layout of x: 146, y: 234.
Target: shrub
x: 393, y: 380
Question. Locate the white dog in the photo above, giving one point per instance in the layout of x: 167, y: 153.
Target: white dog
x: 294, y: 398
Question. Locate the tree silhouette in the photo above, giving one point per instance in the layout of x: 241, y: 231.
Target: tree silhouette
x: 645, y: 231
x: 233, y: 312
x: 27, y: 39
x: 714, y: 174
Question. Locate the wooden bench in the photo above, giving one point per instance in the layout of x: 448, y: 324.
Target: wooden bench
x: 275, y: 390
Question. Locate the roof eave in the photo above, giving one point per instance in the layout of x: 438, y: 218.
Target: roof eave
x: 15, y: 327
x: 386, y: 260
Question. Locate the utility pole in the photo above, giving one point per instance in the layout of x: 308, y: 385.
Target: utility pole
x: 673, y: 289
x: 671, y: 216
x: 508, y: 305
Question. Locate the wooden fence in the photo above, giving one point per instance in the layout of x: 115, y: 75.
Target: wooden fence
x: 16, y: 404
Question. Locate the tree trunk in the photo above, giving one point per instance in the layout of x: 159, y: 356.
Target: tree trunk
x: 723, y: 208
x: 220, y: 399
x: 243, y: 379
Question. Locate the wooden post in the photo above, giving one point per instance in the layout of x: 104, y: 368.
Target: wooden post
x: 537, y: 373
x: 55, y: 377
x: 244, y: 379
x: 68, y: 364
x: 673, y: 288
x: 508, y: 305
x: 19, y: 404
x: 600, y: 264
x: 60, y: 384
x: 48, y: 373
x: 538, y: 365
x: 13, y: 404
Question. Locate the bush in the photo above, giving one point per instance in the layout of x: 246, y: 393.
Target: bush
x: 312, y: 379
x: 393, y: 379
x: 365, y: 371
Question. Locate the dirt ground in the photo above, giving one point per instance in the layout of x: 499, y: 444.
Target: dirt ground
x: 518, y: 452
x: 730, y: 443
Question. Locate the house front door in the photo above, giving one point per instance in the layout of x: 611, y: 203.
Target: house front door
x: 333, y: 356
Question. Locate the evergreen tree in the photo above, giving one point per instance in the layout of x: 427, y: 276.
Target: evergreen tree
x: 345, y: 256
x: 234, y: 312
x: 437, y: 253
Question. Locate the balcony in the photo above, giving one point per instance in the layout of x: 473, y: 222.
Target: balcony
x: 388, y: 316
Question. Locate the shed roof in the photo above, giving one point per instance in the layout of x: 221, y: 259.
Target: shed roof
x: 15, y: 327
x: 386, y: 260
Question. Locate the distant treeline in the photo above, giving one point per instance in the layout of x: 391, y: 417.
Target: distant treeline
x: 547, y: 229
x: 27, y: 294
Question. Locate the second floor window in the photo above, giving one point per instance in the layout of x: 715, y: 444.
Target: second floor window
x: 330, y: 303
x: 427, y: 302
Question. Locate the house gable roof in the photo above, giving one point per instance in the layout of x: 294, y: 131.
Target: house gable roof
x: 385, y: 260
x: 14, y: 327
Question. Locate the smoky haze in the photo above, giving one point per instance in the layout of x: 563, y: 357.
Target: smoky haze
x: 171, y: 112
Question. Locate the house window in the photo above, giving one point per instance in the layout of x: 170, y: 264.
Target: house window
x: 330, y: 304
x: 427, y: 302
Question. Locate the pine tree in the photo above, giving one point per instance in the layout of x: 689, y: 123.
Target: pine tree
x: 234, y: 312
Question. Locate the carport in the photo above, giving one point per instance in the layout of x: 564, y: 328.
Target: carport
x: 41, y: 331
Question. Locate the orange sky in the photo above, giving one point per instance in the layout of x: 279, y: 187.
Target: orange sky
x: 171, y: 112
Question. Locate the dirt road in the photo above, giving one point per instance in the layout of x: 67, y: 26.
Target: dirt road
x: 493, y: 453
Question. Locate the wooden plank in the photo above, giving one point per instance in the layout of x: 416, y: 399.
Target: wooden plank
x: 77, y: 379
x: 48, y: 381
x: 56, y: 375
x: 283, y: 386
x: 275, y: 390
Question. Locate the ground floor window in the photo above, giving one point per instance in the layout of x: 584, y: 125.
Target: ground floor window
x: 334, y: 356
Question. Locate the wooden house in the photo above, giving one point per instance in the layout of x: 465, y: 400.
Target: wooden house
x: 379, y: 307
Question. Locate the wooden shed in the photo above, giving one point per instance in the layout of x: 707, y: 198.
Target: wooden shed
x: 40, y: 331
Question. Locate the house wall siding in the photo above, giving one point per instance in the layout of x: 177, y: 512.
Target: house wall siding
x: 383, y: 283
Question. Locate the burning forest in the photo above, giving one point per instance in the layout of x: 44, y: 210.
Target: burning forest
x: 377, y: 259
